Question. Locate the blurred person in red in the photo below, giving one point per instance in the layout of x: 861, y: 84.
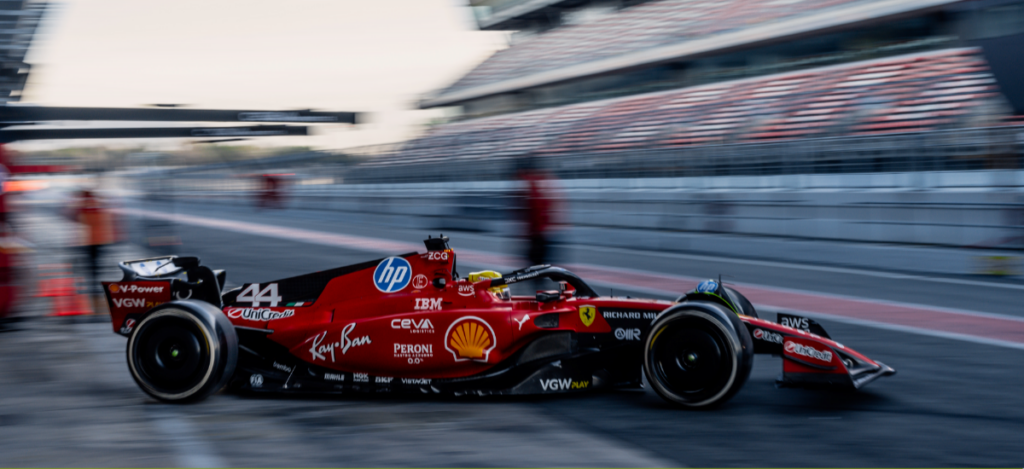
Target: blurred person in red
x: 270, y: 195
x: 4, y: 174
x: 98, y: 231
x: 540, y: 203
x: 9, y: 287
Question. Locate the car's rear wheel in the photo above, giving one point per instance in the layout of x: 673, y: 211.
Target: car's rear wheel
x: 182, y: 351
x: 697, y: 355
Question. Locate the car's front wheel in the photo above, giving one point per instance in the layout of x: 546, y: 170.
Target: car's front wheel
x: 697, y: 355
x: 182, y: 351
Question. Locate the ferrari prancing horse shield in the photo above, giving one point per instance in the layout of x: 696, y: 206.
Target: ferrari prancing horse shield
x: 587, y: 315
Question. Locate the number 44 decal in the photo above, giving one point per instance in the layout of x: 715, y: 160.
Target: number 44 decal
x: 266, y: 295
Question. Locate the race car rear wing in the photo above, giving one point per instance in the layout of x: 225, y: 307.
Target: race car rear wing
x: 146, y: 283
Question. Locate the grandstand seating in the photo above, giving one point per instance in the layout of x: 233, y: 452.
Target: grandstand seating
x: 944, y: 89
x: 651, y: 24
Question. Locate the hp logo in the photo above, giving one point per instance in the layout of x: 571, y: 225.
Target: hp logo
x: 392, y: 274
x: 707, y: 286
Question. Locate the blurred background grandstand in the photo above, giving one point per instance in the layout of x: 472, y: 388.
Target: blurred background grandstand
x: 684, y: 87
x: 675, y: 88
x: 18, y: 23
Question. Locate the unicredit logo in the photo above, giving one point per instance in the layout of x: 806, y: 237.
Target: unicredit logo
x: 767, y: 336
x: 795, y: 348
x: 259, y: 314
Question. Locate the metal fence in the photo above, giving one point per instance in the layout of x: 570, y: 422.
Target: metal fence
x: 942, y: 150
x: 939, y: 150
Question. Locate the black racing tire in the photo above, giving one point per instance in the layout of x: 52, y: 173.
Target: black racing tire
x: 697, y: 355
x: 741, y: 302
x: 182, y: 351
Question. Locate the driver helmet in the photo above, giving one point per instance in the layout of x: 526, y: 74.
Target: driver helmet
x: 501, y: 292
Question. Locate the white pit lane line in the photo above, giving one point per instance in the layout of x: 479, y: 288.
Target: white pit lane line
x: 179, y: 434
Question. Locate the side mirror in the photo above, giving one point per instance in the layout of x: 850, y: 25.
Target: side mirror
x: 439, y: 282
x: 546, y: 296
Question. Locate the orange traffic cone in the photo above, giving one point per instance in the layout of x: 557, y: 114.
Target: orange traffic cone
x: 68, y: 302
x: 58, y: 284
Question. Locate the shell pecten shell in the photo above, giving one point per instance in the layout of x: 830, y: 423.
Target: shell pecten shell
x: 470, y: 340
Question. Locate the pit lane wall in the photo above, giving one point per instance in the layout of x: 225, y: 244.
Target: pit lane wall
x: 957, y: 222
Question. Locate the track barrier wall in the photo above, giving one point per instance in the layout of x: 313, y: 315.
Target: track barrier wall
x: 951, y: 222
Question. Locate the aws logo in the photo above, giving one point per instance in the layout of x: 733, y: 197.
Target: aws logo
x: 470, y: 338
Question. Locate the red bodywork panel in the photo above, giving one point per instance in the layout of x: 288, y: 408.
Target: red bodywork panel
x: 421, y: 330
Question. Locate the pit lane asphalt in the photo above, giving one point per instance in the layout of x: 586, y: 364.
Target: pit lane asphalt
x: 70, y: 401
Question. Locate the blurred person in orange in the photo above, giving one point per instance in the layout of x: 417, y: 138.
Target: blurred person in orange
x: 98, y: 231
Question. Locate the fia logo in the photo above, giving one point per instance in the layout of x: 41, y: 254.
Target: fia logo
x: 392, y: 274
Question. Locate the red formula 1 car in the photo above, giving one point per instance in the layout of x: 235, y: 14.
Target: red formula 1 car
x: 409, y: 324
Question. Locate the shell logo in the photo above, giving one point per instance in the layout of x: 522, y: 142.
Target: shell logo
x: 114, y: 288
x: 469, y: 338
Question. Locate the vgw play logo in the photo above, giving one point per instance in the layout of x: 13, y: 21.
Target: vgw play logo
x: 392, y: 274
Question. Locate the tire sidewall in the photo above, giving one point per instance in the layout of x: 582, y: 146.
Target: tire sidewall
x: 740, y: 348
x: 742, y: 303
x: 218, y: 334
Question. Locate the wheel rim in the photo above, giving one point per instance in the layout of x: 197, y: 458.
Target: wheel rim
x: 692, y: 360
x: 171, y: 354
